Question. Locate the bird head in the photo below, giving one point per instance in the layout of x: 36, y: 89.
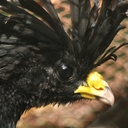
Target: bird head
x: 44, y: 64
x: 41, y: 63
x: 68, y: 81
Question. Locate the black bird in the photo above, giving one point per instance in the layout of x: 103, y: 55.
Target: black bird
x: 40, y: 63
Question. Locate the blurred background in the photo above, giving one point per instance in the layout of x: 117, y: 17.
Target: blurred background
x: 88, y: 114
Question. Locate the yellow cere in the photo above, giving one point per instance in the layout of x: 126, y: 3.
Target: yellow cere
x: 84, y: 91
x: 95, y: 86
x: 96, y: 80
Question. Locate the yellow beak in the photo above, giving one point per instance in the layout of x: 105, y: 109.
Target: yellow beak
x: 96, y: 88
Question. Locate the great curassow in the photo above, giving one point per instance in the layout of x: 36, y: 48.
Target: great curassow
x: 40, y: 63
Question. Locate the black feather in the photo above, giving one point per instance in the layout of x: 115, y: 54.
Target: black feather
x: 40, y: 63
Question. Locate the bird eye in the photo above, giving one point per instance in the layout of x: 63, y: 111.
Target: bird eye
x: 65, y: 72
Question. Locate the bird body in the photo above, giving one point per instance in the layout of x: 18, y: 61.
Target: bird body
x: 40, y: 63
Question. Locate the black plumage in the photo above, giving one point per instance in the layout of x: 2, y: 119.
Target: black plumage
x: 40, y: 63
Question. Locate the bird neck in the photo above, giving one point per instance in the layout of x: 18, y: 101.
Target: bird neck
x: 11, y: 107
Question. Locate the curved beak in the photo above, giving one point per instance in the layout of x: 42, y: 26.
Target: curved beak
x: 96, y: 88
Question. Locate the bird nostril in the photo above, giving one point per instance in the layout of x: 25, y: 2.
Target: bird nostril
x: 98, y: 88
